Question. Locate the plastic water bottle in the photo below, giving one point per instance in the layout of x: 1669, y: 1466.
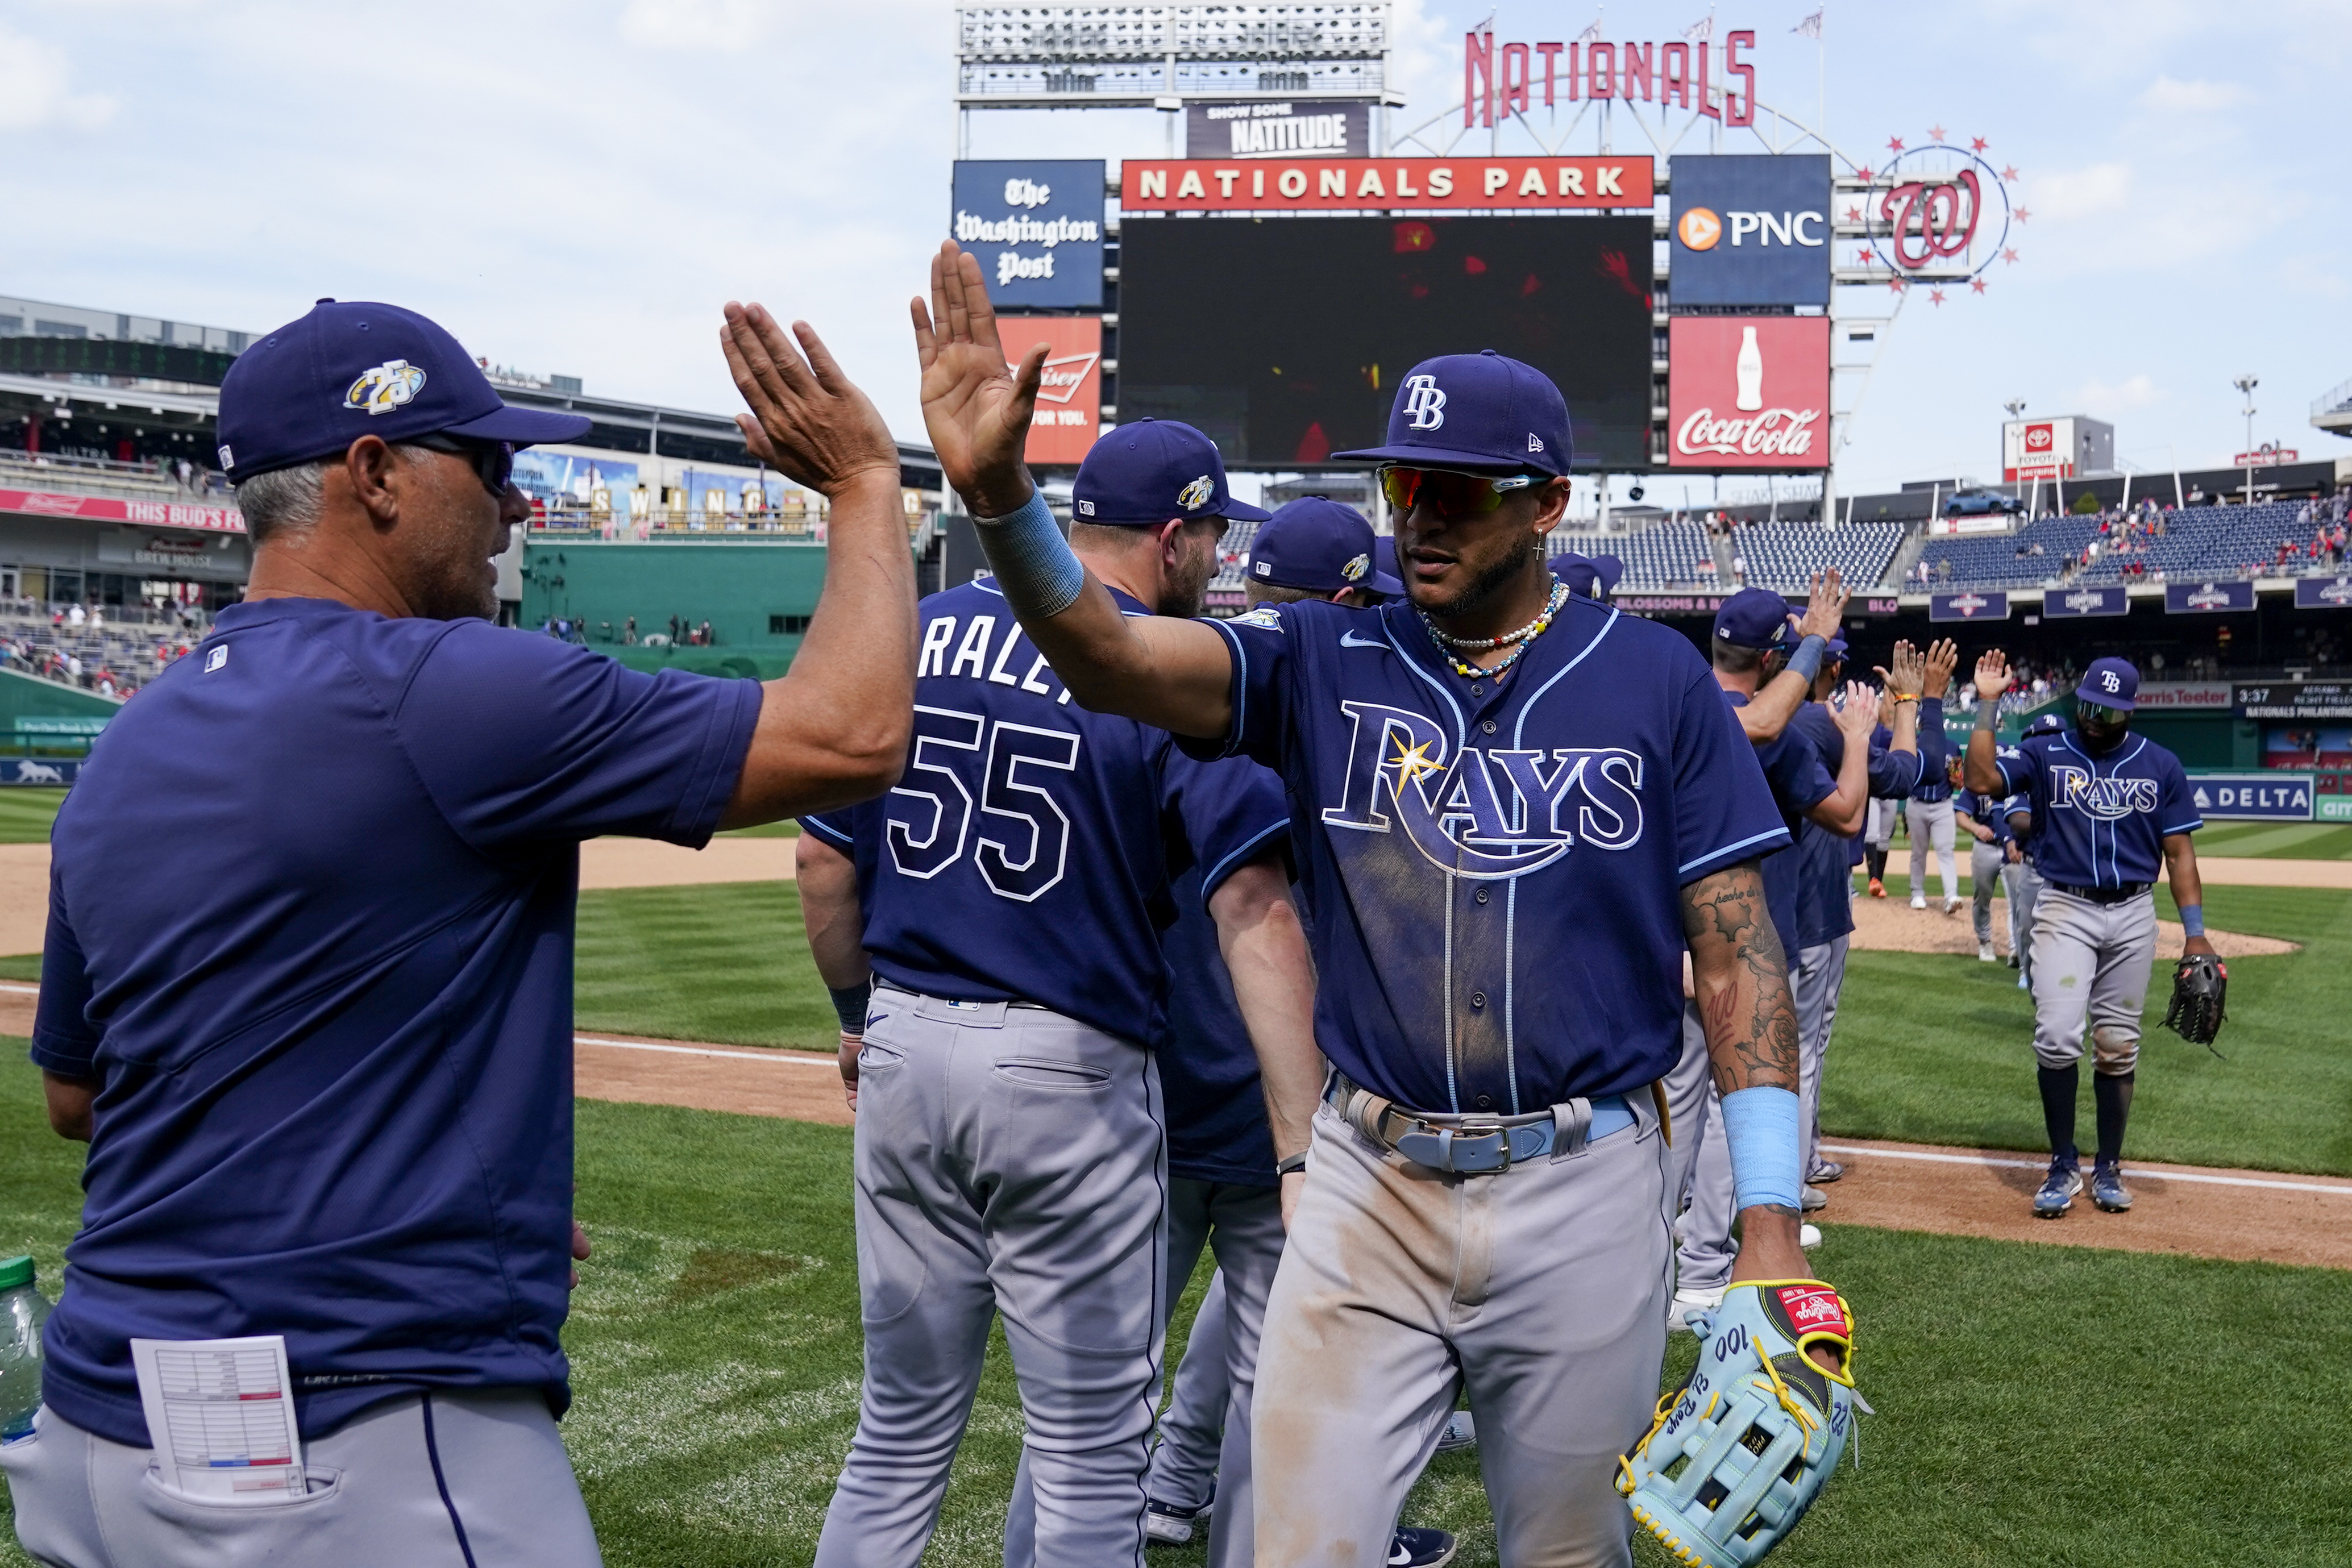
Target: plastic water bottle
x: 23, y: 1311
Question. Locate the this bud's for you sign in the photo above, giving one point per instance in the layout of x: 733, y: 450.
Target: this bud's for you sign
x: 1036, y: 228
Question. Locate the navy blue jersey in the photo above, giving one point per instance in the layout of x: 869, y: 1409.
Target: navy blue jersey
x: 1793, y: 771
x: 1894, y: 774
x: 2100, y: 821
x: 311, y: 930
x: 1825, y: 873
x: 1491, y: 878
x: 1029, y: 851
x: 1217, y: 1129
x: 1989, y: 811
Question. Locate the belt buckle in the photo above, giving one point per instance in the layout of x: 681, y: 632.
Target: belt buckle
x: 1462, y: 1151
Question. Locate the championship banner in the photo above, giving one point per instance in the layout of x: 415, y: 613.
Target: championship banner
x: 2323, y: 592
x: 1968, y: 607
x: 1382, y: 184
x: 2060, y: 603
x: 2208, y: 598
x: 105, y: 510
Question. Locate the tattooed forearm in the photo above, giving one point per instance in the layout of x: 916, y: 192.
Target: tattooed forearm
x: 1741, y: 978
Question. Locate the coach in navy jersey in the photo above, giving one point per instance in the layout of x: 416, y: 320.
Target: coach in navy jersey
x: 2110, y: 808
x: 307, y: 982
x: 1011, y: 1150
x: 1513, y: 808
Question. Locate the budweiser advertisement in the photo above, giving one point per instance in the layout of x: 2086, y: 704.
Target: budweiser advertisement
x: 1749, y: 392
x: 106, y: 509
x: 1069, y: 401
x: 1383, y: 185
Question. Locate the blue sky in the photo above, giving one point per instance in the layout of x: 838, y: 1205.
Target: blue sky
x: 577, y: 188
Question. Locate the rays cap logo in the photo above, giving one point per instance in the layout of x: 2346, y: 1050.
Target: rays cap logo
x: 1154, y: 470
x: 1321, y: 546
x: 1483, y: 412
x: 349, y: 368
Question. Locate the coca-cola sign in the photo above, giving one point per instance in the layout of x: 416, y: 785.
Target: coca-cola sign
x: 1748, y: 392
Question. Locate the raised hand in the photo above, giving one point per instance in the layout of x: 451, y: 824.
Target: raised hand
x: 1907, y: 671
x: 1943, y: 658
x: 808, y: 420
x: 1860, y: 714
x: 1824, y: 607
x: 1992, y: 676
x: 976, y: 407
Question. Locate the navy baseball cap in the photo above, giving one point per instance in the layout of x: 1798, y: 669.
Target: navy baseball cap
x: 2048, y: 724
x: 2110, y: 682
x: 347, y: 369
x: 1321, y: 546
x: 1476, y: 411
x: 1154, y: 471
x: 1595, y: 575
x: 1753, y: 618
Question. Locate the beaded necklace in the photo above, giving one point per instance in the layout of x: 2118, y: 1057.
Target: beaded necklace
x: 1519, y: 641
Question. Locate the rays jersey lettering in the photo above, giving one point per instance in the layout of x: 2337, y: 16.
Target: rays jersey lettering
x: 2099, y: 821
x: 2110, y: 799
x: 1492, y: 877
x: 1485, y: 813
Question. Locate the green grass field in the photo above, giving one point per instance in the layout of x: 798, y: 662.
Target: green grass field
x: 26, y: 814
x: 2039, y: 1407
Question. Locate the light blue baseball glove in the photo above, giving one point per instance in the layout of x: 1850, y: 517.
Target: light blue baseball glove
x: 1739, y: 1453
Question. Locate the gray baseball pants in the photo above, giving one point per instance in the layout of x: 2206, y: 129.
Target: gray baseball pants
x: 459, y: 1478
x: 1819, y: 976
x: 1242, y: 1225
x: 1008, y: 1160
x: 1193, y: 1429
x: 1991, y: 871
x: 1700, y: 1162
x: 1878, y: 825
x: 1930, y: 823
x: 2091, y: 967
x: 2024, y: 899
x: 1542, y: 1291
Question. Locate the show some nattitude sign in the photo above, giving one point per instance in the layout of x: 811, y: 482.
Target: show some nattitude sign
x: 1383, y: 185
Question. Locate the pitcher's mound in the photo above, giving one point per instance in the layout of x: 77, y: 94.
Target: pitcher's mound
x: 1891, y: 925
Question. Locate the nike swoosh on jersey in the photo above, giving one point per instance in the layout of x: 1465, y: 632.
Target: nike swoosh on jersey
x: 1349, y: 640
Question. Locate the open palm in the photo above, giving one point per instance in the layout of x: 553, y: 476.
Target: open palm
x: 975, y: 406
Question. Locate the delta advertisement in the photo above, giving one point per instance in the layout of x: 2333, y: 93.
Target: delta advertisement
x: 1749, y: 230
x: 1069, y: 400
x: 2260, y: 797
x: 1748, y: 392
x: 1035, y: 226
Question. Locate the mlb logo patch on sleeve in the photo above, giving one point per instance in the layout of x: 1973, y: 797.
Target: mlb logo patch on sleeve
x: 216, y: 658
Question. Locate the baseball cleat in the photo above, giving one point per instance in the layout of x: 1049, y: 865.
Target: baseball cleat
x: 1952, y: 904
x: 1824, y: 1172
x: 1414, y: 1547
x: 2108, y: 1191
x: 1985, y: 954
x: 1461, y: 1432
x: 1918, y: 901
x: 1878, y: 888
x: 1809, y: 1237
x: 1690, y: 1304
x: 2057, y: 1193
x: 2023, y: 984
x: 1170, y: 1525
x: 1810, y: 1198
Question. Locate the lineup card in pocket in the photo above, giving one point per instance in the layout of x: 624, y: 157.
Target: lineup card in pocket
x: 220, y: 1414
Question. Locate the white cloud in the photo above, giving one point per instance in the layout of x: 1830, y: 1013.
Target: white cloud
x: 695, y: 24
x: 34, y: 93
x: 2105, y: 401
x: 2172, y: 97
x: 2093, y: 192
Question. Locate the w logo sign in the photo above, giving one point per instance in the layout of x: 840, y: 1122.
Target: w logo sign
x: 1424, y: 405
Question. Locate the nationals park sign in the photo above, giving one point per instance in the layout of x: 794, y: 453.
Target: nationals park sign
x: 1383, y: 185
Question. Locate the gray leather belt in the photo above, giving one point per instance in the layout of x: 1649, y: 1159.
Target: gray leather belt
x: 1477, y: 1145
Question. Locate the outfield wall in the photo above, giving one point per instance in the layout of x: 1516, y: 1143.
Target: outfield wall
x: 750, y: 592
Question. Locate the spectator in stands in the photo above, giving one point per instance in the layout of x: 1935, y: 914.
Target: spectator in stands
x: 705, y: 635
x: 629, y: 633
x: 673, y: 631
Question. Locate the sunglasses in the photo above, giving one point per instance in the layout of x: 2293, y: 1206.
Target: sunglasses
x: 1447, y: 493
x: 2092, y: 713
x: 493, y: 461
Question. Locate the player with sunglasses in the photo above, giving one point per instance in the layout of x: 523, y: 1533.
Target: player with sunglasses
x: 2109, y: 807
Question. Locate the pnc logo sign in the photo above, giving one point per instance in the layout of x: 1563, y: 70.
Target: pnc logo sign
x: 1700, y: 229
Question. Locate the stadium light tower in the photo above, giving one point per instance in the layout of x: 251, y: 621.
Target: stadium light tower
x: 2246, y: 386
